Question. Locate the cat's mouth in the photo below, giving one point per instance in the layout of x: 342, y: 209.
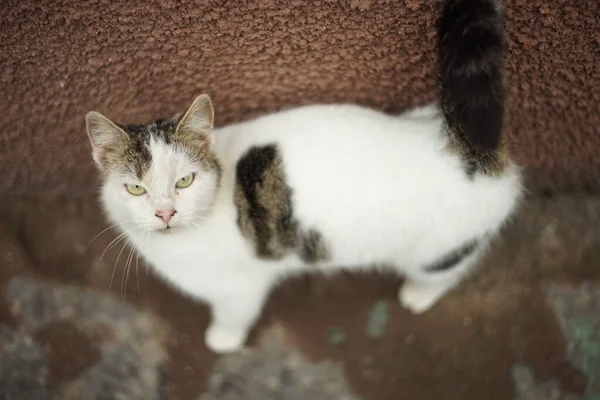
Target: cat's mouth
x: 165, y: 230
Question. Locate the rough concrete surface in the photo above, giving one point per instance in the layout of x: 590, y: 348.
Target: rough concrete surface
x: 273, y: 372
x: 77, y: 344
x: 138, y: 60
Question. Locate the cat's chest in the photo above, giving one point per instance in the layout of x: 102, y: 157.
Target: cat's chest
x: 193, y: 249
x: 195, y: 262
x: 184, y: 255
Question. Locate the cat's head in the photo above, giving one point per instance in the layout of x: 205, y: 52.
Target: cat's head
x: 160, y: 175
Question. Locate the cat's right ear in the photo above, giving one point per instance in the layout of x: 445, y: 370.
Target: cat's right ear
x: 103, y: 133
x: 197, y: 122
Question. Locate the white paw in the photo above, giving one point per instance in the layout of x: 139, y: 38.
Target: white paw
x: 416, y: 297
x: 221, y: 340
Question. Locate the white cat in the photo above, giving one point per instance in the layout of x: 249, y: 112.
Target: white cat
x: 223, y: 214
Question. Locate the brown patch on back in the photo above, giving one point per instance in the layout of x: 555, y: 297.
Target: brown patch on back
x: 265, y: 212
x: 263, y: 201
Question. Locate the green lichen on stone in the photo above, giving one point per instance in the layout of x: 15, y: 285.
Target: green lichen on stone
x: 377, y: 320
x: 527, y: 387
x: 336, y: 335
x: 586, y: 336
x: 578, y: 310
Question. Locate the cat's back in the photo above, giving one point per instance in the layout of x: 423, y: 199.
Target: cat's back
x: 334, y: 131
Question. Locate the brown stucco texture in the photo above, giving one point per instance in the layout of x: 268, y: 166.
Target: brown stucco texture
x: 139, y: 60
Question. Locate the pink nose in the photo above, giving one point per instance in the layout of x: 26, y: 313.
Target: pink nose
x: 166, y: 215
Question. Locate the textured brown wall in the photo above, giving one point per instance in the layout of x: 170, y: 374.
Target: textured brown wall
x: 137, y: 61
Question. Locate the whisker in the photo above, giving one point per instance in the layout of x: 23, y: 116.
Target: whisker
x: 146, y: 261
x: 115, y: 267
x: 134, y: 251
x: 110, y: 227
x: 113, y: 242
x: 137, y: 271
x: 195, y: 224
x: 128, y: 261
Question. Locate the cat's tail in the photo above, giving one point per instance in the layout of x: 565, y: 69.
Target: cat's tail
x: 470, y: 47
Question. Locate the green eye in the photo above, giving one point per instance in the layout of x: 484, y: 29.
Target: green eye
x: 185, y: 181
x: 135, y: 190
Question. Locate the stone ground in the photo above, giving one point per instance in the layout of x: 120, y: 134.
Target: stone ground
x: 75, y: 325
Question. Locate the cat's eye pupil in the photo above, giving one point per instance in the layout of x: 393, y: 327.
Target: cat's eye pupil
x: 136, y: 190
x: 185, y: 181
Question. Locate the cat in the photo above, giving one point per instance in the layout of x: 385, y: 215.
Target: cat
x: 225, y: 213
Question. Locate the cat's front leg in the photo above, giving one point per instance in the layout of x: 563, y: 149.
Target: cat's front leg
x: 233, y: 317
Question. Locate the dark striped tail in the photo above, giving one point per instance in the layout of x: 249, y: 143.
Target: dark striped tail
x: 470, y: 41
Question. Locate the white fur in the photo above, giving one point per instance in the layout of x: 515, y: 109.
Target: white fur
x: 382, y: 190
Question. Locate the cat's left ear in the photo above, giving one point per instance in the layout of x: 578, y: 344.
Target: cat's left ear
x: 197, y: 122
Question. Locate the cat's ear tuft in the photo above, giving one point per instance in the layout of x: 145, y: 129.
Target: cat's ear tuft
x: 198, y: 119
x: 103, y: 133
